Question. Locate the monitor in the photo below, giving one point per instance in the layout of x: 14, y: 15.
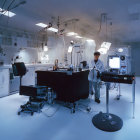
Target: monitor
x: 114, y: 62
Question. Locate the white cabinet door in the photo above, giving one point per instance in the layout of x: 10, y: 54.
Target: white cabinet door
x: 29, y: 77
x: 4, y: 82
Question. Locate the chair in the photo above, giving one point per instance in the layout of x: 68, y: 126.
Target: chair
x: 19, y: 69
x: 37, y: 94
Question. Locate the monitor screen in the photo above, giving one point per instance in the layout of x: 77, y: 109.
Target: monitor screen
x: 114, y: 62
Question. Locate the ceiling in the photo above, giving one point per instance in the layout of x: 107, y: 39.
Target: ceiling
x: 124, y: 15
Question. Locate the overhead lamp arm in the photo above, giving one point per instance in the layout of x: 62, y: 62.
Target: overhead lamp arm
x: 17, y: 5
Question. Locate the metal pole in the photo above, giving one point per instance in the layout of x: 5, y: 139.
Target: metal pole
x: 133, y: 97
x: 77, y: 59
x: 20, y: 80
x: 71, y: 57
x: 119, y: 90
x: 107, y: 98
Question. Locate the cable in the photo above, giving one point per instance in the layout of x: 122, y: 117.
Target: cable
x: 23, y: 2
x: 100, y: 26
x: 10, y: 5
x: 7, y: 11
x: 7, y: 8
x: 3, y: 4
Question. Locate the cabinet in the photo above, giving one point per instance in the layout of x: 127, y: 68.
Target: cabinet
x: 4, y: 82
x: 10, y: 85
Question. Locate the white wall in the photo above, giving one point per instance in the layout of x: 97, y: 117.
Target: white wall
x: 27, y: 55
x: 18, y: 43
x: 56, y: 49
x: 136, y: 60
x: 88, y: 52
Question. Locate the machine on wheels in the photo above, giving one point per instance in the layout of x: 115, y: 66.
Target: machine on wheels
x: 38, y: 95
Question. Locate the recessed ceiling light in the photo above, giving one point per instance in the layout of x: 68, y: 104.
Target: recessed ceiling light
x: 78, y: 36
x: 90, y: 40
x: 71, y: 34
x: 53, y: 29
x: 42, y: 25
x: 7, y: 13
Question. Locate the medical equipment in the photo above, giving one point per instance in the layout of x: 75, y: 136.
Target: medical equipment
x: 118, y: 63
x: 38, y: 95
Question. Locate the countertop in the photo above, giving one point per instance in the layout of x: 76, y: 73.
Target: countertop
x: 64, y: 71
x: 8, y: 66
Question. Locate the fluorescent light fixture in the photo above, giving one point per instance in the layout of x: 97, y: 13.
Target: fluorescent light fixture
x: 103, y: 50
x: 89, y: 40
x: 45, y: 25
x: 53, y: 29
x: 106, y: 45
x: 70, y: 49
x: 7, y: 13
x: 120, y: 50
x: 45, y: 48
x: 71, y: 34
x: 42, y: 25
x: 114, y: 62
x: 78, y: 36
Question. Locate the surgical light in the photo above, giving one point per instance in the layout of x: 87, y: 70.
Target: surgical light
x: 70, y: 49
x: 42, y: 25
x: 53, y: 29
x: 72, y: 42
x: 106, y: 45
x: 6, y: 13
x: 71, y: 34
